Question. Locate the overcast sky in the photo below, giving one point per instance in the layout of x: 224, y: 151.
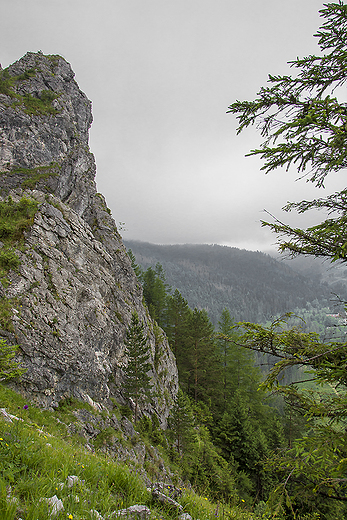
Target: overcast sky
x: 161, y: 74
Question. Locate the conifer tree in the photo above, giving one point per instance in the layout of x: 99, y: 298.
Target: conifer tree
x: 137, y: 269
x: 239, y: 372
x: 155, y: 291
x: 176, y: 328
x: 180, y: 421
x: 137, y: 383
x: 304, y: 124
x: 9, y: 368
x: 202, y: 359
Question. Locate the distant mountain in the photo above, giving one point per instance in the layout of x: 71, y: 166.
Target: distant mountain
x: 252, y: 285
x: 334, y: 274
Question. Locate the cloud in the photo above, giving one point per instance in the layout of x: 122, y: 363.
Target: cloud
x: 161, y: 76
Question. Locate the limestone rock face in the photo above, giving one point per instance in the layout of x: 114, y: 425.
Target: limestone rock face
x: 75, y: 290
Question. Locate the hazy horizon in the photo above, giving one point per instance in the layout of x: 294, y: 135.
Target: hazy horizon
x: 161, y: 76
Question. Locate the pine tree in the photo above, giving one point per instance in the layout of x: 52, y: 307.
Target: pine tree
x: 180, y: 421
x: 9, y: 369
x: 155, y: 291
x: 176, y: 328
x: 202, y: 360
x: 239, y: 372
x: 137, y: 383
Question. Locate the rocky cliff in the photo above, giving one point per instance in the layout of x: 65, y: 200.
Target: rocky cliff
x: 72, y: 296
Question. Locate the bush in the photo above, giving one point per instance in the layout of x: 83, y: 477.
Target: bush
x: 8, y: 259
x: 9, y: 368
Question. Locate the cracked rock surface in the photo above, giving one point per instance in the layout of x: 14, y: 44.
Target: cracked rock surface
x: 74, y: 293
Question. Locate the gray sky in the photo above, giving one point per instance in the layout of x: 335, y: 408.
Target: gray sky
x: 161, y: 75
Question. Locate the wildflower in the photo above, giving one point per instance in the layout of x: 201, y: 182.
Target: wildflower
x: 70, y: 517
x: 25, y: 407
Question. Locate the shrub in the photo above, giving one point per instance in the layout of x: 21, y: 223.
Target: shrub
x: 9, y: 368
x: 8, y: 259
x: 15, y: 218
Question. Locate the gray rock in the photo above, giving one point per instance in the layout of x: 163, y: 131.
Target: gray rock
x: 75, y: 285
x: 165, y: 500
x: 127, y: 427
x: 9, y: 417
x: 137, y: 512
x: 72, y: 480
x: 185, y: 516
x: 56, y: 505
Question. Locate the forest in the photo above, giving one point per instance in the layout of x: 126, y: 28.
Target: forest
x: 226, y: 425
x: 222, y: 427
x: 254, y: 286
x: 278, y: 442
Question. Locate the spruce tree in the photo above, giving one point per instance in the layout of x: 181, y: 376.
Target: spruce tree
x: 304, y: 124
x: 239, y: 372
x: 202, y: 360
x: 9, y: 368
x: 155, y: 291
x: 176, y: 328
x: 138, y: 382
x: 180, y: 422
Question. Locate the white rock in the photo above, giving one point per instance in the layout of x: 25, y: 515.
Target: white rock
x: 55, y: 502
x: 8, y: 417
x: 184, y: 516
x: 96, y: 515
x: 137, y: 511
x: 72, y: 480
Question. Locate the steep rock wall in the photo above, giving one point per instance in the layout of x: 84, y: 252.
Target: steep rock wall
x: 75, y: 290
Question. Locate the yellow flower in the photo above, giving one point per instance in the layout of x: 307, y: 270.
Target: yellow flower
x: 70, y: 517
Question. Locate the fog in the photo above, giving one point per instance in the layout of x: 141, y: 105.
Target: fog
x: 161, y: 76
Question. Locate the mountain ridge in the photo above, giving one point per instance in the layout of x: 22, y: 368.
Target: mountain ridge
x: 253, y: 285
x: 69, y: 294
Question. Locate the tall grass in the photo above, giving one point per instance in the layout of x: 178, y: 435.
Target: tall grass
x: 37, y: 454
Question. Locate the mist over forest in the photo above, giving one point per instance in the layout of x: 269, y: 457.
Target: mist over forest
x: 253, y: 286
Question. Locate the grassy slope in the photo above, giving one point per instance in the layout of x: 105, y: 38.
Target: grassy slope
x: 37, y: 454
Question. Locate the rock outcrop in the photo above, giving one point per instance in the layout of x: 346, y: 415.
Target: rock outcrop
x: 74, y: 293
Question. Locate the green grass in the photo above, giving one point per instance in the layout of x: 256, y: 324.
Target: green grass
x: 15, y: 219
x: 31, y: 105
x: 37, y: 455
x: 33, y: 175
x: 6, y: 310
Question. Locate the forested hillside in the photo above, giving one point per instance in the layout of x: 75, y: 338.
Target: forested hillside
x: 252, y: 285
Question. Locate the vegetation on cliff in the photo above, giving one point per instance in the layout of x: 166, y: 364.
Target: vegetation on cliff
x: 41, y: 458
x: 41, y: 104
x: 303, y: 123
x: 225, y: 435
